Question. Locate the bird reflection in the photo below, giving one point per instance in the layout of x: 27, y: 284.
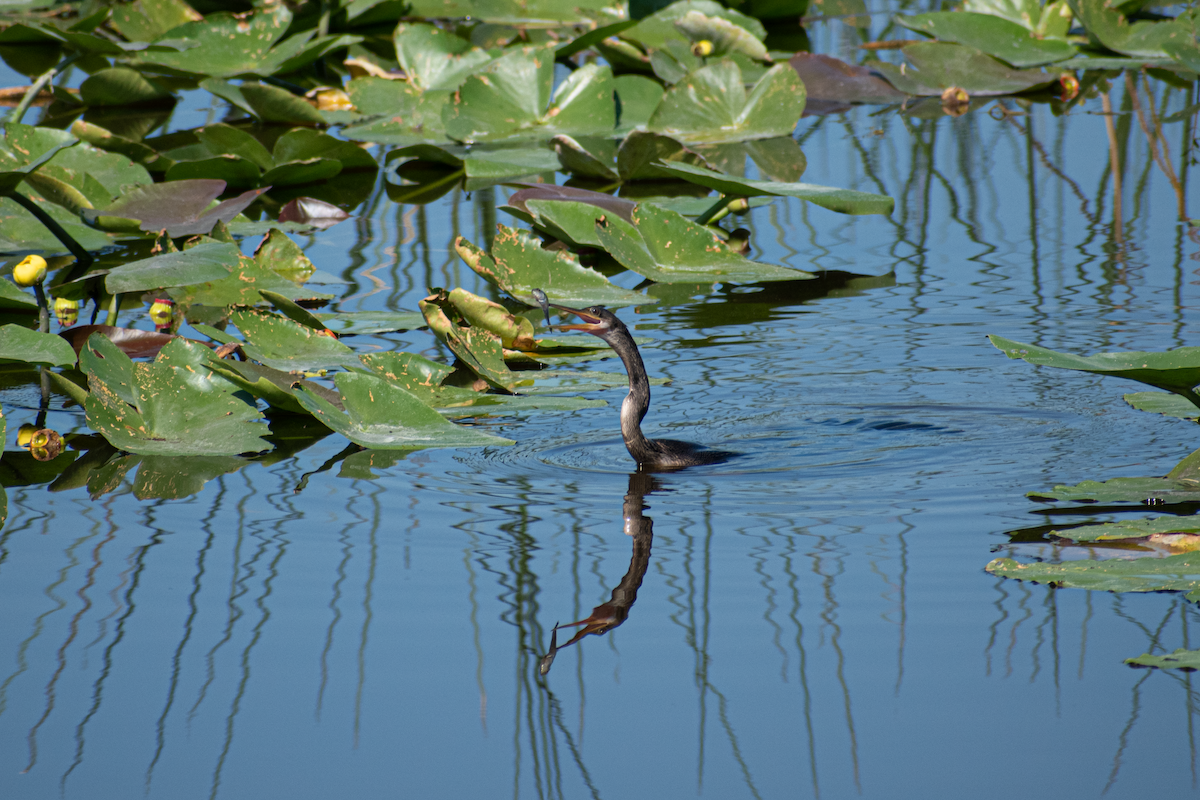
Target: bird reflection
x: 607, y: 616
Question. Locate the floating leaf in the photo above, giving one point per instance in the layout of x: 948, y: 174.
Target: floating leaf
x: 518, y: 265
x: 274, y: 386
x: 209, y: 261
x: 349, y: 323
x: 711, y: 105
x: 13, y: 299
x: 827, y: 78
x: 1175, y: 370
x: 666, y: 248
x: 179, y: 207
x: 433, y: 58
x: 934, y: 67
x: 993, y: 35
x: 1110, y: 28
x: 723, y: 35
x: 1165, y: 403
x: 283, y: 344
x: 133, y: 342
x: 152, y: 409
x: 482, y: 164
x: 381, y: 415
x: 479, y: 349
x: 120, y: 86
x: 1125, y: 490
x: 278, y: 253
x: 641, y: 152
x: 308, y: 211
x: 18, y: 343
x: 1186, y: 660
x: 146, y: 20
x: 511, y: 96
x: 659, y: 28
x: 844, y: 201
x: 1132, y: 529
x: 1179, y: 573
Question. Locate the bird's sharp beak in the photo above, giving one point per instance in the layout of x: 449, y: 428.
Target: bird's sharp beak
x: 592, y: 324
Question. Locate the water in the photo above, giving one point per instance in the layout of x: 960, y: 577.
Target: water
x: 813, y: 618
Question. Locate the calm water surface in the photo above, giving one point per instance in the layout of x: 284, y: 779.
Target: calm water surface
x: 812, y: 619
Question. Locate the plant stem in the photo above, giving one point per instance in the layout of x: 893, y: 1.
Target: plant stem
x: 114, y: 308
x: 43, y: 308
x: 36, y: 88
x: 715, y: 211
x: 83, y: 257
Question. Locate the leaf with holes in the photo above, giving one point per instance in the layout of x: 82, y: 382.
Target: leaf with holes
x: 1179, y: 573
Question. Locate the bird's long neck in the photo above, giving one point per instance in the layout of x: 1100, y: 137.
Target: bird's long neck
x: 633, y: 409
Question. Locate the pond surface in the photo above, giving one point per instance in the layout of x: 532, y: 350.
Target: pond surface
x: 812, y: 618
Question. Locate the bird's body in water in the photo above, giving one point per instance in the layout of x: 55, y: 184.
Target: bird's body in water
x: 650, y: 454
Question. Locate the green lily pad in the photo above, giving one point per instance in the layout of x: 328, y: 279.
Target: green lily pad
x: 494, y: 164
x: 152, y: 409
x: 587, y: 157
x: 993, y: 35
x: 843, y: 201
x: 120, y: 86
x: 224, y: 45
x: 13, y: 299
x: 637, y: 97
x: 1125, y: 490
x: 18, y: 343
x: 283, y: 344
x: 1179, y: 573
x: 725, y: 36
x: 481, y: 350
x: 275, y: 387
x: 511, y: 96
x: 434, y: 58
x: 350, y: 323
x: 381, y: 415
x: 514, y: 332
x: 1130, y: 529
x: 518, y: 265
x: 16, y: 166
x: 1110, y: 28
x: 1175, y: 370
x: 278, y: 253
x: 711, y: 105
x: 400, y: 114
x: 205, y: 262
x: 1186, y: 660
x: 667, y: 248
x: 1165, y: 403
x: 146, y: 20
x: 934, y: 67
x: 242, y: 286
x: 660, y: 27
x: 20, y: 231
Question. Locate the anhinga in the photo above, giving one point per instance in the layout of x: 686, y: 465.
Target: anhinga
x: 651, y: 454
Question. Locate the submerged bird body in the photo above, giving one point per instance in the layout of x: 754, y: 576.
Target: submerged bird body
x: 663, y: 454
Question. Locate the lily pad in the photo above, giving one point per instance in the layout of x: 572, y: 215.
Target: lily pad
x: 1131, y: 529
x: 486, y: 164
x: 182, y: 208
x: 1125, y: 490
x: 242, y: 286
x: 283, y: 344
x: 367, y: 322
x: 18, y: 343
x: 1186, y: 660
x: 152, y: 409
x: 433, y: 58
x: 667, y: 248
x: 121, y: 86
x: 481, y: 350
x: 381, y: 415
x: 1179, y: 573
x: 1165, y: 403
x: 1175, y: 370
x: 993, y: 35
x: 13, y: 299
x: 275, y: 387
x: 511, y: 96
x: 1110, y: 28
x: 518, y: 265
x: 205, y: 262
x: 934, y: 67
x: 830, y: 79
x: 843, y: 201
x: 723, y: 35
x: 711, y: 105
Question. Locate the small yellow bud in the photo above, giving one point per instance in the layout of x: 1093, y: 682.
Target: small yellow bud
x: 31, y: 270
x: 25, y: 434
x: 702, y: 48
x: 161, y: 310
x: 67, y: 311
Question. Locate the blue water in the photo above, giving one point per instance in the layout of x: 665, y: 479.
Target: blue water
x: 814, y: 619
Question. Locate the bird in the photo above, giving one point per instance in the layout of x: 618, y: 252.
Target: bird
x: 653, y: 455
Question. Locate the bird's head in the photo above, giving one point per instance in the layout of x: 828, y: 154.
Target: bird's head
x: 596, y: 320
